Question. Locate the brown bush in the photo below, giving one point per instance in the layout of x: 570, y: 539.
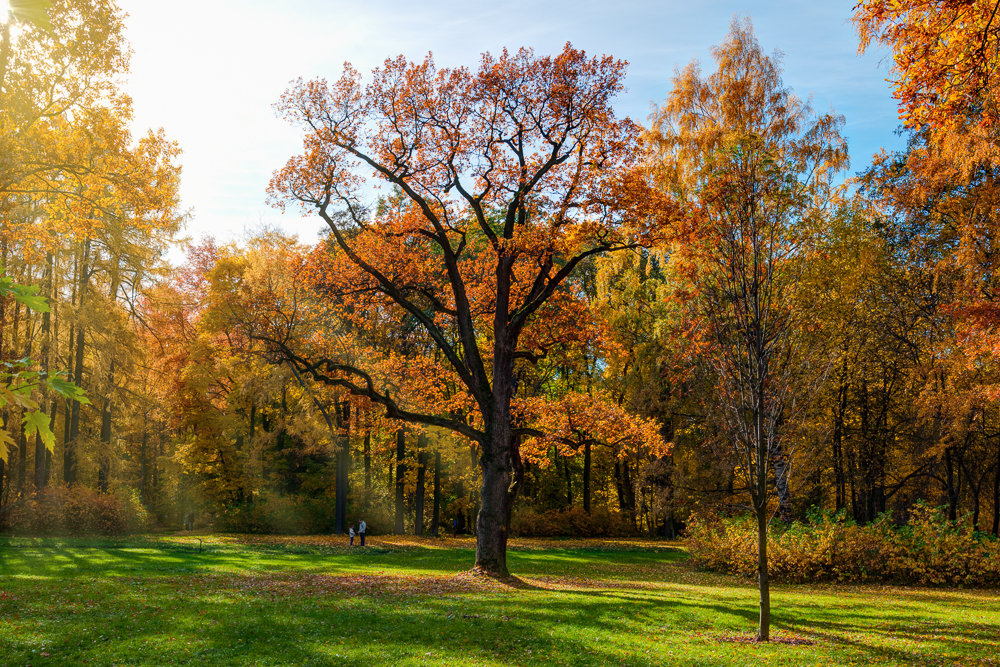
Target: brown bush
x: 570, y: 522
x: 274, y: 514
x: 929, y: 549
x: 77, y: 510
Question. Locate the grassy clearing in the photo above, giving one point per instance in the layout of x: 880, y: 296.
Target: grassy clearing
x: 248, y: 600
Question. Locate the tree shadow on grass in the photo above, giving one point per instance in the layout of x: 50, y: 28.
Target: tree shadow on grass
x: 271, y: 615
x: 350, y: 630
x: 801, y: 621
x: 233, y: 619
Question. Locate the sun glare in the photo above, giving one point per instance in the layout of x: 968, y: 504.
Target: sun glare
x: 4, y: 11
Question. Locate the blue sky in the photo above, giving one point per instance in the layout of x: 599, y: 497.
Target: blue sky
x: 208, y: 70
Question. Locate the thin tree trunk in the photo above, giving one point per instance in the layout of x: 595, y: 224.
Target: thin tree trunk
x: 41, y: 473
x: 47, y: 468
x: 975, y: 508
x: 68, y: 404
x: 436, y: 516
x: 104, y: 457
x: 22, y: 460
x: 569, y: 482
x: 838, y: 447
x: 764, y: 628
x: 586, y: 477
x: 781, y: 483
x: 70, y: 453
x: 154, y: 476
x: 104, y: 460
x: 41, y: 476
x: 459, y: 520
x: 629, y: 489
x: 399, y: 523
x: 619, y: 487
x: 368, y: 464
x: 343, y: 459
x: 22, y: 438
x: 418, y: 496
x: 996, y: 493
x: 144, y: 490
x: 950, y: 487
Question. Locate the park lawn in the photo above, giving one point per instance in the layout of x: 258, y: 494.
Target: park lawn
x: 251, y: 600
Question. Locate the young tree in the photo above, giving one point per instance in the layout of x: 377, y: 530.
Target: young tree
x: 503, y: 180
x: 753, y: 165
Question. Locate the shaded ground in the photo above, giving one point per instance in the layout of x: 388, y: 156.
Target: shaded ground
x: 311, y: 600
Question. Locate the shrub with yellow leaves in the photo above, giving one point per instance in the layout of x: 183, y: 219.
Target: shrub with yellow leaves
x: 928, y: 549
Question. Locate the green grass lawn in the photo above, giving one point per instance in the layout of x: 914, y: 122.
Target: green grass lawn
x: 164, y: 600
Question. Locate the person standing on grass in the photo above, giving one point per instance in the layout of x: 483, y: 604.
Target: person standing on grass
x: 362, y: 527
x: 350, y: 531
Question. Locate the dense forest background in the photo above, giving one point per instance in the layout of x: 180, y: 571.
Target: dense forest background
x: 206, y: 401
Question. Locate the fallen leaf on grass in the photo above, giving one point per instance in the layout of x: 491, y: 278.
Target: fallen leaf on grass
x: 790, y: 640
x: 379, y: 584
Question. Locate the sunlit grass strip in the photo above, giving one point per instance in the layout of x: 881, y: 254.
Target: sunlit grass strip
x: 162, y: 601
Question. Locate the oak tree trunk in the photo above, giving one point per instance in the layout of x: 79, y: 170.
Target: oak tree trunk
x: 491, y: 523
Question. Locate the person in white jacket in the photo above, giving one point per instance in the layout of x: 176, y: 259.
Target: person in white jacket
x: 350, y: 531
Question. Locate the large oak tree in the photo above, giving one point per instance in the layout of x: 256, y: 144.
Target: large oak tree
x: 500, y: 182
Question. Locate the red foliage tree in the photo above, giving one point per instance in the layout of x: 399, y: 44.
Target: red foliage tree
x: 502, y: 182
